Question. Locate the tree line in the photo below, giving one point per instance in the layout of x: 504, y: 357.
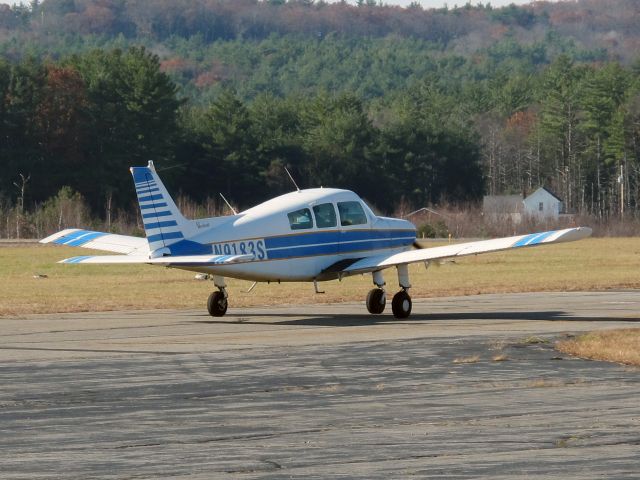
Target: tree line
x: 83, y: 121
x: 397, y: 117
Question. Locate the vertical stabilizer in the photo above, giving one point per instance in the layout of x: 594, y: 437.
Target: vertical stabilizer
x: 163, y: 222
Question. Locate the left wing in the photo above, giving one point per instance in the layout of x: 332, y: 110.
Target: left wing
x: 380, y: 262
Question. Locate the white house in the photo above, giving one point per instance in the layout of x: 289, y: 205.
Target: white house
x: 543, y: 203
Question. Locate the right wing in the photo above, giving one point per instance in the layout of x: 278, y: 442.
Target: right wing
x: 380, y: 262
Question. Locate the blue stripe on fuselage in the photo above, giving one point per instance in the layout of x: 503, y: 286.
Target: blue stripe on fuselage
x: 334, y: 236
x: 334, y: 248
x: 336, y: 242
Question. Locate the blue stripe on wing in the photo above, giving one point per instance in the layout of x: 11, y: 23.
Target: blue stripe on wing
x: 79, y: 238
x: 533, y: 239
x: 77, y: 259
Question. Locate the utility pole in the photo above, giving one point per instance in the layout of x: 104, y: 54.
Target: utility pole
x: 621, y: 182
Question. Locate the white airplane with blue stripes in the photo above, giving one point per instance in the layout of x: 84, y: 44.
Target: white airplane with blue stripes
x: 309, y: 235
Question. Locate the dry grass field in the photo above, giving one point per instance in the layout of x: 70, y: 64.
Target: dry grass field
x: 592, y: 264
x: 620, y: 346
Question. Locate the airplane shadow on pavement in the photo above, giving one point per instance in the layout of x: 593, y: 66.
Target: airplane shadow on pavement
x: 351, y: 320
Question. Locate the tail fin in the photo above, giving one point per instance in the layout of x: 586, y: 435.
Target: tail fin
x: 163, y: 222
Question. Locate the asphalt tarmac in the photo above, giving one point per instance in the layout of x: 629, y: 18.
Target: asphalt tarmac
x: 321, y: 392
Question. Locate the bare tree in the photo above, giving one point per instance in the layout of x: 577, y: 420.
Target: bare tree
x: 22, y: 187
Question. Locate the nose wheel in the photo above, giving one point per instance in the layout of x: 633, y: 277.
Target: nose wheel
x: 217, y: 303
x: 401, y: 304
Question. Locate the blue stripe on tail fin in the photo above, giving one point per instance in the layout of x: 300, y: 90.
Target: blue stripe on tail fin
x: 164, y: 225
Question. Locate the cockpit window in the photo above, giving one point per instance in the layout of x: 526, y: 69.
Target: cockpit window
x: 300, y: 219
x: 325, y: 215
x: 351, y: 213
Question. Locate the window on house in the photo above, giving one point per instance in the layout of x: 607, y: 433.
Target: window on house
x: 541, y: 206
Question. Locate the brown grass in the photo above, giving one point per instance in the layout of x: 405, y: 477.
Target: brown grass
x: 620, y: 346
x: 592, y: 264
x: 471, y: 359
x: 533, y: 340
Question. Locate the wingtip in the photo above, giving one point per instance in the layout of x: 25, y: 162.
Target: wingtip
x: 57, y: 235
x: 587, y: 231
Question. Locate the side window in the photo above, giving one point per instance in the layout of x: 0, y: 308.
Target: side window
x: 351, y: 213
x: 300, y: 219
x: 325, y: 215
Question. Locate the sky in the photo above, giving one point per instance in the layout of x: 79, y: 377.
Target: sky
x: 404, y: 3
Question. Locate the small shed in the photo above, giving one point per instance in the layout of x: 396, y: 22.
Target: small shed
x: 543, y: 203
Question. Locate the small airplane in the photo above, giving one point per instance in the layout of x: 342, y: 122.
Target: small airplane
x: 309, y: 235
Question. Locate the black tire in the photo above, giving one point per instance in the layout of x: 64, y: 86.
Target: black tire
x: 401, y: 304
x: 376, y: 301
x: 217, y: 304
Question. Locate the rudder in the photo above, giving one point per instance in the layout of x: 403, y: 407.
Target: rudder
x: 164, y: 225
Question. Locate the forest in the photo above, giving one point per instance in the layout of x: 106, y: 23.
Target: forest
x: 406, y: 106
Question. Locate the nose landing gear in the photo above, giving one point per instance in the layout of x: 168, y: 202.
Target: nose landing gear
x: 217, y: 303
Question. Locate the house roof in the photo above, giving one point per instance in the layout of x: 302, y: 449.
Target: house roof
x: 548, y: 191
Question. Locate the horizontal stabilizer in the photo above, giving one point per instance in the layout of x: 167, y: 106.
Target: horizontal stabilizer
x: 109, y: 242
x: 183, y: 261
x: 379, y: 262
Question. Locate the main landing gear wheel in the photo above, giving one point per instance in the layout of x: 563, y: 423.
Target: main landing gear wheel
x: 401, y: 304
x: 217, y: 304
x: 376, y: 301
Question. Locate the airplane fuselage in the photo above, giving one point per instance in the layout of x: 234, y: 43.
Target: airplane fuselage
x: 297, y: 237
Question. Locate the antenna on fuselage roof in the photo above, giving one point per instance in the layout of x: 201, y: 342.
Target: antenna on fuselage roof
x: 291, y: 177
x: 228, y: 204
